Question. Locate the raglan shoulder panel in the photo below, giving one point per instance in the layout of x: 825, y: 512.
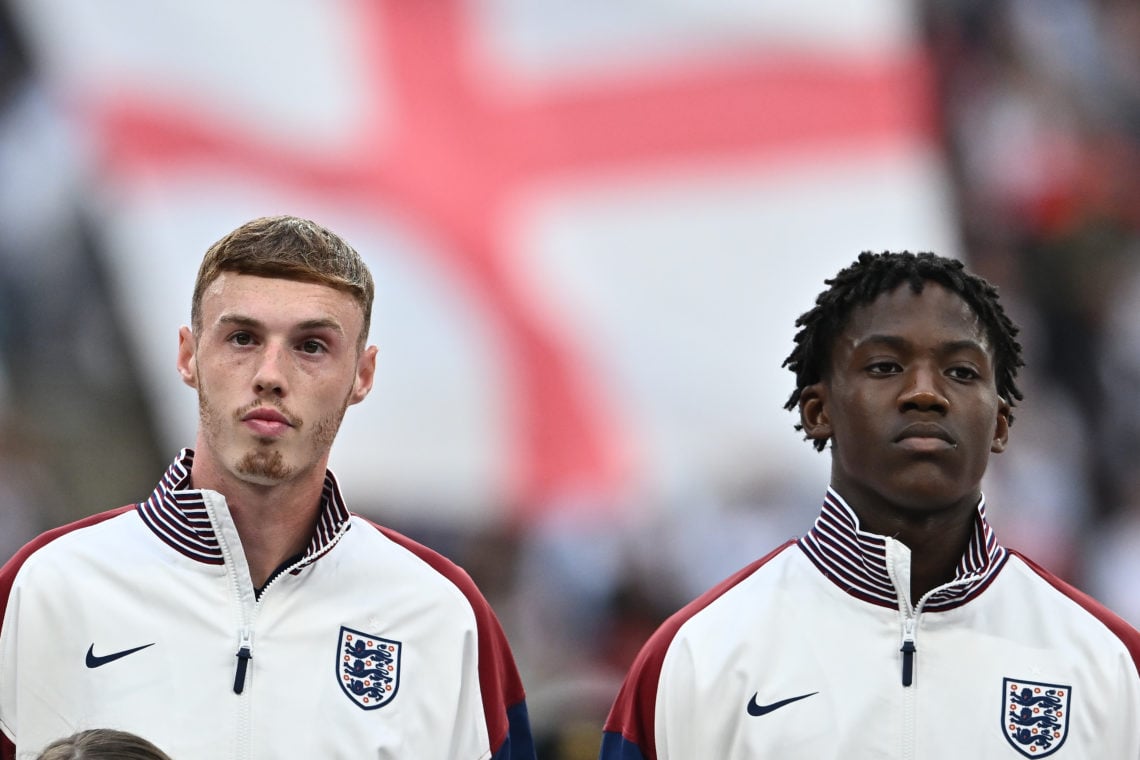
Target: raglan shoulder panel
x: 629, y: 732
x: 12, y: 567
x: 11, y: 570
x: 504, y: 698
x: 1121, y: 629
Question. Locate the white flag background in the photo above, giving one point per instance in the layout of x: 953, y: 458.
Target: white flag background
x: 592, y: 224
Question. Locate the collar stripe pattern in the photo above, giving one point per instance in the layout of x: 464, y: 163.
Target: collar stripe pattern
x: 855, y: 560
x: 177, y: 514
x: 332, y: 522
x: 182, y: 521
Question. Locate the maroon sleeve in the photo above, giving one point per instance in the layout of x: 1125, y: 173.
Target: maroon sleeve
x: 633, y: 715
x: 499, y: 680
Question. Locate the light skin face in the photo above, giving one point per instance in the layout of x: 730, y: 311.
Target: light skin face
x: 275, y: 363
x: 911, y: 407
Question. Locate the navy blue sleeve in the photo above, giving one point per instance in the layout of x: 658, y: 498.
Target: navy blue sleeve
x: 519, y: 744
x: 617, y: 747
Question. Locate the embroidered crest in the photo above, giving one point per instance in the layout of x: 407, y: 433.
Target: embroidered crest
x: 1035, y: 716
x: 368, y: 668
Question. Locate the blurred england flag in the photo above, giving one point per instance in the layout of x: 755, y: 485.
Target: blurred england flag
x: 592, y: 223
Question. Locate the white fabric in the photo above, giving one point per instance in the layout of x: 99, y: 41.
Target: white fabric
x: 114, y: 586
x: 783, y: 629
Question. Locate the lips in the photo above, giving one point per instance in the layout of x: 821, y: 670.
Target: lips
x: 266, y: 421
x: 925, y: 436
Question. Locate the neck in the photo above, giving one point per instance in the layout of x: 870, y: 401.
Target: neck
x: 937, y: 539
x: 274, y: 522
x: 935, y: 552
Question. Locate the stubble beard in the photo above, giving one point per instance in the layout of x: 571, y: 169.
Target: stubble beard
x: 264, y: 463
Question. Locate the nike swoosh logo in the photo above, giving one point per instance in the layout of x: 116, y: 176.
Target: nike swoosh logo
x: 96, y: 661
x: 758, y: 710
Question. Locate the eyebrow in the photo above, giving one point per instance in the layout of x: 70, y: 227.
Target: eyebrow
x: 897, y: 342
x: 319, y: 323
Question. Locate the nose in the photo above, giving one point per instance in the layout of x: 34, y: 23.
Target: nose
x: 269, y: 379
x: 923, y: 392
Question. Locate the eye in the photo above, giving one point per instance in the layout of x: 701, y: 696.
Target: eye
x: 312, y: 346
x: 241, y: 339
x: 884, y: 367
x: 963, y: 373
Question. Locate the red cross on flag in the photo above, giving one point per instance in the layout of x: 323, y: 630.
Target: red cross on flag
x: 592, y: 224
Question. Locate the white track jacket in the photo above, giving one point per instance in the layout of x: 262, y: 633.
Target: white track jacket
x: 145, y: 619
x: 815, y: 652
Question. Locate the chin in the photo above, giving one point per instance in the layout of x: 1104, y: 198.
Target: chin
x: 264, y: 467
x: 928, y: 497
x: 259, y: 480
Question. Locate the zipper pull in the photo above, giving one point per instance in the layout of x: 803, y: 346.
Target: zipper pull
x: 908, y: 649
x: 244, y: 655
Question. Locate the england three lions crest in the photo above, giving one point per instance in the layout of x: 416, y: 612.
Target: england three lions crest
x: 368, y: 668
x: 1035, y: 716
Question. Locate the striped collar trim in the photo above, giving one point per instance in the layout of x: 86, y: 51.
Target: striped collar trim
x: 177, y: 514
x: 856, y: 560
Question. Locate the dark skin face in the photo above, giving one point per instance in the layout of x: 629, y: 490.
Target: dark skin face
x: 911, y: 407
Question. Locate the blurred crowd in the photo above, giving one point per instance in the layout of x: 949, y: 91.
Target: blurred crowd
x: 1040, y: 117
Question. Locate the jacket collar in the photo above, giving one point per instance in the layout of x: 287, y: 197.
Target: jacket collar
x: 856, y: 560
x: 177, y: 514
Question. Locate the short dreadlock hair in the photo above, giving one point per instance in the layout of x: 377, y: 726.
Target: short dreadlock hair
x: 873, y: 274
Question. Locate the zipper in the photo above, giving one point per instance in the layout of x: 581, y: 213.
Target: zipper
x: 249, y: 603
x: 909, y: 646
x: 908, y: 649
x: 244, y: 655
x: 898, y: 569
x: 245, y: 636
x: 238, y: 572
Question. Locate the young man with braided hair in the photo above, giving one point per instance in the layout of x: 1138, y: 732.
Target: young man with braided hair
x: 898, y: 626
x: 241, y: 611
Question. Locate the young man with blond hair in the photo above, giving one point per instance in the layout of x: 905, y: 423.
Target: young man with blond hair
x: 241, y: 610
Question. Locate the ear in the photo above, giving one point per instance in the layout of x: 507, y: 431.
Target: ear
x: 1001, y: 429
x: 365, y: 375
x: 813, y: 412
x: 187, y: 351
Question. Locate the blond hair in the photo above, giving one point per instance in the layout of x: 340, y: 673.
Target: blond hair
x: 290, y: 248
